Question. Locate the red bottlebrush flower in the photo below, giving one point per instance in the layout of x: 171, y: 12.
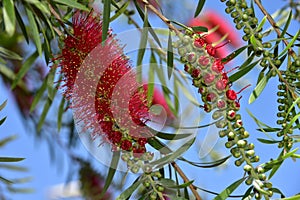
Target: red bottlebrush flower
x: 100, y: 83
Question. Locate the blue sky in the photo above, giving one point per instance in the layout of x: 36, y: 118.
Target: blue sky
x: 45, y: 173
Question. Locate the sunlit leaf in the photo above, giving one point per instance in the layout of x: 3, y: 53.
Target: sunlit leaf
x: 120, y: 11
x: 170, y: 136
x: 242, y: 72
x: 60, y: 113
x: 199, y: 29
x: 289, y: 45
x: 34, y: 31
x: 45, y: 111
x: 234, y: 54
x: 6, y: 53
x: 267, y: 141
x: 9, y: 16
x: 258, y: 89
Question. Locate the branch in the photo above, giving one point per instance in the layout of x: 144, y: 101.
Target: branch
x: 161, y: 16
x: 273, y: 24
x: 186, y: 180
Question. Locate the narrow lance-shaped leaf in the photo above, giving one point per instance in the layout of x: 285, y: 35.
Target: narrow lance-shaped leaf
x: 290, y: 44
x: 38, y: 96
x: 258, y: 89
x: 24, y: 69
x: 199, y: 7
x: 9, y: 16
x: 44, y: 114
x: 225, y: 193
x: 34, y: 31
x: 10, y: 159
x: 106, y: 16
x: 170, y: 56
x: 120, y: 11
x: 9, y: 54
x: 72, y: 4
x: 128, y: 192
x: 142, y: 47
x: 236, y: 76
x: 142, y: 15
x: 3, y: 105
x: 60, y: 113
x: 111, y: 172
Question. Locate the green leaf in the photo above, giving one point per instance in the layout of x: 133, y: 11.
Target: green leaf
x: 50, y: 82
x: 261, y: 24
x: 169, y: 183
x: 170, y: 136
x: 248, y: 61
x: 225, y: 193
x: 120, y: 11
x: 199, y: 29
x: 24, y: 69
x: 142, y: 15
x: 199, y: 7
x: 72, y: 4
x: 106, y: 16
x: 34, y: 31
x: 128, y: 192
x: 267, y: 141
x: 22, y: 25
x: 42, y: 6
x: 3, y: 105
x: 38, y: 96
x: 287, y: 24
x: 295, y: 118
x: 10, y: 159
x: 170, y: 57
x: 20, y: 190
x: 150, y: 83
x: 268, y: 129
x: 9, y: 54
x: 6, y: 140
x: 258, y: 89
x: 242, y: 72
x: 234, y: 54
x: 143, y: 43
x: 2, y: 121
x: 174, y: 155
x: 44, y: 114
x: 156, y: 144
x: 13, y: 168
x: 206, y: 164
x: 256, y: 44
x: 6, y: 181
x: 60, y: 113
x: 9, y: 16
x: 289, y: 45
x: 111, y: 172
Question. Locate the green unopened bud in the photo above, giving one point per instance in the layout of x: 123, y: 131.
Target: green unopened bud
x: 249, y: 181
x: 239, y: 162
x: 229, y: 144
x: 262, y: 177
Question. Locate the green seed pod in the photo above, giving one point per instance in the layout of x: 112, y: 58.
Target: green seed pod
x: 181, y: 51
x: 262, y: 177
x: 147, y: 169
x: 241, y: 143
x: 160, y: 188
x: 246, y: 30
x: 250, y: 153
x: 247, y: 168
x: 231, y: 135
x: 234, y: 14
x: 243, y: 4
x: 157, y: 174
x: 260, y: 170
x: 245, y: 134
x: 229, y: 144
x: 221, y: 124
x: 222, y: 133
x: 146, y: 183
x: 254, y: 159
x: 135, y: 169
x: 268, y: 185
x: 249, y: 181
x: 245, y: 17
x: 239, y: 162
x: 217, y: 114
x: 153, y: 196
x: 250, y: 146
x: 239, y: 26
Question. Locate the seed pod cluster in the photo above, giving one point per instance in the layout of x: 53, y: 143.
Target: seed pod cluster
x: 285, y: 114
x: 209, y: 76
x: 137, y: 162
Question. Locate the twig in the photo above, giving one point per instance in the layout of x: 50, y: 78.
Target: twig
x: 273, y: 24
x: 162, y: 17
x: 56, y: 15
x: 186, y: 180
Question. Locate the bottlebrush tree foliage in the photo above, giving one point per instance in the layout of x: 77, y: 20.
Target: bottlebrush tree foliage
x: 70, y: 72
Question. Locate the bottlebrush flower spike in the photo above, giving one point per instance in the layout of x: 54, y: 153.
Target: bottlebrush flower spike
x: 102, y: 87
